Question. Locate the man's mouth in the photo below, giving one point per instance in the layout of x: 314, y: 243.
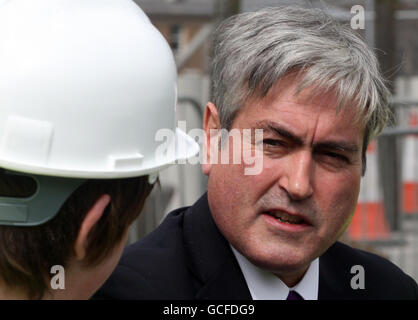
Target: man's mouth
x: 287, y: 218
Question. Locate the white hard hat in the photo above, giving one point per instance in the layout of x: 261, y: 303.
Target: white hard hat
x: 85, y: 88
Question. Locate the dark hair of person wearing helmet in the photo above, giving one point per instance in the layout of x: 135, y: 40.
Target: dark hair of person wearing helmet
x: 86, y: 237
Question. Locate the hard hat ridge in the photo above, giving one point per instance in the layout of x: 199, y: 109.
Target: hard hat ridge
x: 84, y: 95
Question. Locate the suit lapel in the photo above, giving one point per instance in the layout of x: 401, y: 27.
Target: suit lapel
x: 218, y: 275
x: 334, y: 276
x: 329, y: 286
x: 227, y: 284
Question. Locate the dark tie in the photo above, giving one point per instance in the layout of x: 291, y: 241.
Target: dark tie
x: 293, y: 295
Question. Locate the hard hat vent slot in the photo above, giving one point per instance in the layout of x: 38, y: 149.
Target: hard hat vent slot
x: 16, y: 186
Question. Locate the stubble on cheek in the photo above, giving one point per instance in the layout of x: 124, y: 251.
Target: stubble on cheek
x: 231, y: 200
x: 340, y: 213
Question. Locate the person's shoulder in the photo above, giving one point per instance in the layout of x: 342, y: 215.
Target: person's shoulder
x: 162, y: 248
x: 165, y: 235
x: 381, y: 275
x: 348, y: 254
x: 154, y: 267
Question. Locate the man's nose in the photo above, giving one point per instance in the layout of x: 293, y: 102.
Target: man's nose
x: 297, y: 180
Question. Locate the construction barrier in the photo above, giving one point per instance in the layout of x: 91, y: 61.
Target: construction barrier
x: 369, y: 222
x: 410, y: 169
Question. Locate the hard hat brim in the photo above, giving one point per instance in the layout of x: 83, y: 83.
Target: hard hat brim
x: 185, y: 147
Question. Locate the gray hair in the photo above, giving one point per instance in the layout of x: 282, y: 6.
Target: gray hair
x: 254, y: 50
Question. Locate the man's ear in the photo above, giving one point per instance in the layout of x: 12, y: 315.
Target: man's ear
x: 211, y: 123
x: 90, y: 220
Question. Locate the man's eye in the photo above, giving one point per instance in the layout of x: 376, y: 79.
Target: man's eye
x: 336, y: 156
x: 274, y: 143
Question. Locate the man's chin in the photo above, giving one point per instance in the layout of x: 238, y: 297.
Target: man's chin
x: 283, y: 262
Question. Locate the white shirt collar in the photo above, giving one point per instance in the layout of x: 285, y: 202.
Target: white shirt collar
x: 265, y: 285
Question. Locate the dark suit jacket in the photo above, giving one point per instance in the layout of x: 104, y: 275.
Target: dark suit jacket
x: 187, y: 257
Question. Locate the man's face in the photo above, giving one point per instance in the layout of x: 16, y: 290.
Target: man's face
x: 310, y: 177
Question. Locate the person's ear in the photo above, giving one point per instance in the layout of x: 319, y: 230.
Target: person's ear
x: 90, y: 220
x: 212, y: 127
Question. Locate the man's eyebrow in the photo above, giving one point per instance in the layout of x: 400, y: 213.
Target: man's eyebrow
x: 338, y: 145
x: 277, y: 129
x: 330, y: 145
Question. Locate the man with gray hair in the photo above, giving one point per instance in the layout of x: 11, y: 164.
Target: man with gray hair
x: 315, y: 89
